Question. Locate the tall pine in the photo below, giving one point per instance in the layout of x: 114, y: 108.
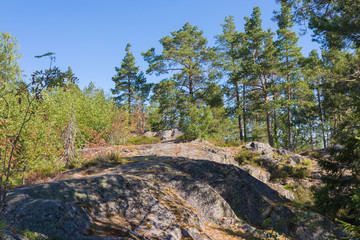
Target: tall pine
x: 289, y: 54
x: 229, y: 44
x: 186, y: 55
x: 259, y: 62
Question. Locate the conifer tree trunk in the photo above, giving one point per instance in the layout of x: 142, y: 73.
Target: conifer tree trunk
x: 239, y: 115
x: 321, y: 117
x: 129, y: 100
x: 275, y: 126
x: 335, y: 124
x: 290, y: 146
x: 269, y: 129
x: 311, y: 135
x: 244, y: 112
x: 191, y: 92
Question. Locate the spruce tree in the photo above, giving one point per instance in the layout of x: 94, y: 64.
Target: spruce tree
x: 129, y: 82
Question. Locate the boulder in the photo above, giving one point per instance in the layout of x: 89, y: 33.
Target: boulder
x: 290, y: 155
x: 258, y: 147
x: 264, y: 149
x: 171, y: 134
x: 150, y: 134
x: 338, y: 147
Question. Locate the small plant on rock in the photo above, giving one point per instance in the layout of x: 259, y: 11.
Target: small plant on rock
x: 247, y: 157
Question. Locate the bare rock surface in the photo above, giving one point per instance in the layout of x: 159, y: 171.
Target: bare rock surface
x: 163, y: 191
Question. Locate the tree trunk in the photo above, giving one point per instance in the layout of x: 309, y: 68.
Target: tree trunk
x: 321, y: 117
x: 269, y: 130
x: 244, y: 112
x: 289, y: 120
x: 290, y: 130
x: 275, y: 127
x: 335, y: 125
x: 129, y: 101
x: 191, y: 90
x: 311, y: 135
x: 238, y: 106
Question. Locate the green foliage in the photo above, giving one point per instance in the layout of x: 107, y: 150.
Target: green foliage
x: 169, y: 106
x: 229, y: 44
x: 32, y: 235
x: 185, y: 52
x: 247, y: 157
x: 9, y: 57
x: 259, y: 65
x: 333, y: 22
x: 19, y: 106
x: 279, y: 174
x: 307, y: 162
x: 225, y: 143
x: 339, y: 197
x: 3, y: 225
x: 137, y: 140
x: 286, y: 171
x: 129, y: 82
x: 289, y: 187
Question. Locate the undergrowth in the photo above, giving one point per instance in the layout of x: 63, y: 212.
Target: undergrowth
x: 247, y: 157
x: 137, y: 140
x: 225, y: 143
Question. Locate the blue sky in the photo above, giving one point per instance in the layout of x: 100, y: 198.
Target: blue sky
x: 90, y: 36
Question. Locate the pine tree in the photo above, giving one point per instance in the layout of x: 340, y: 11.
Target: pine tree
x: 186, y: 54
x: 314, y: 72
x: 169, y: 105
x: 335, y: 23
x: 289, y: 54
x: 259, y: 64
x: 229, y: 44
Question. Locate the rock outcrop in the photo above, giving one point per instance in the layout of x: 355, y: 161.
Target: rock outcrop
x: 163, y: 191
x: 165, y: 135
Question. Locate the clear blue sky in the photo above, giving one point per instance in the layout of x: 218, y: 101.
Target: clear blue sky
x: 90, y: 36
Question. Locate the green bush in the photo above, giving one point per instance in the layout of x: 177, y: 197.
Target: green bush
x: 300, y: 172
x: 112, y: 157
x: 224, y: 143
x: 289, y: 171
x: 307, y: 162
x: 32, y: 235
x: 137, y: 140
x: 279, y: 174
x: 247, y: 157
x: 316, y: 155
x: 289, y: 187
